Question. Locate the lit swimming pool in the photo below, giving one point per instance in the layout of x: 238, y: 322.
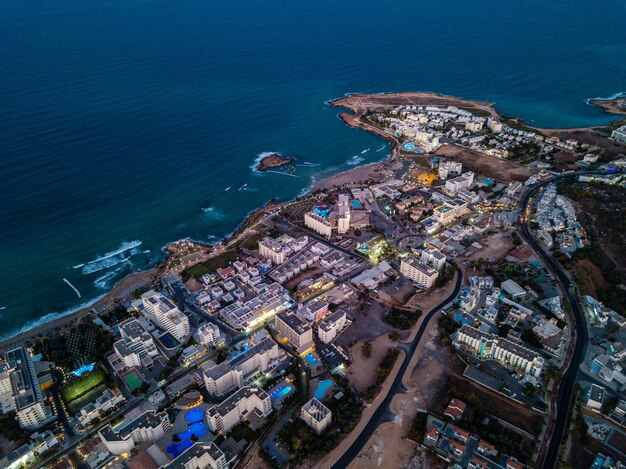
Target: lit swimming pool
x: 310, y: 359
x: 197, y: 428
x: 194, y: 415
x: 281, y: 392
x: 322, y: 387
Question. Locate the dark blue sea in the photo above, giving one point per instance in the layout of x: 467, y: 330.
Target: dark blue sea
x: 122, y: 123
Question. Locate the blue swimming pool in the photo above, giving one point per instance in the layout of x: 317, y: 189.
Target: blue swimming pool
x: 197, y: 428
x: 310, y: 359
x: 194, y: 415
x: 281, y: 392
x: 322, y: 387
x: 459, y: 317
x: 356, y: 204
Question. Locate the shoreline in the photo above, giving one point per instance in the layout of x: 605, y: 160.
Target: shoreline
x: 359, y: 104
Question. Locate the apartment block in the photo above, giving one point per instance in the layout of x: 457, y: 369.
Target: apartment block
x: 298, y: 332
x: 329, y: 327
x: 149, y: 427
x: 164, y: 314
x: 316, y: 415
x: 200, y: 456
x: 237, y: 408
x: 20, y: 390
x: 234, y: 374
x: 421, y: 274
x: 506, y: 352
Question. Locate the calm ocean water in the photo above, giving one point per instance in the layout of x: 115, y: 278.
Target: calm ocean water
x: 122, y: 123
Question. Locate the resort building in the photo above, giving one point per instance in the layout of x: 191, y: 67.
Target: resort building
x: 494, y: 125
x: 318, y: 224
x: 506, y: 352
x: 246, y: 402
x: 200, y: 456
x: 459, y: 183
x: 474, y: 126
x: 434, y: 258
x: 207, y: 334
x: 164, y: 314
x: 619, y: 134
x: 314, y: 310
x: 279, y: 249
x: 107, y: 400
x: 449, y: 211
x: 328, y: 328
x: 136, y: 348
x: 242, y: 369
x: 149, y: 427
x: 271, y: 300
x: 20, y: 390
x: 421, y: 274
x: 298, y: 332
x: 343, y: 214
x: 316, y: 415
x: 449, y: 168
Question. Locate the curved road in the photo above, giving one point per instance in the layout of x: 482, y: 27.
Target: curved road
x: 382, y: 411
x: 566, y: 386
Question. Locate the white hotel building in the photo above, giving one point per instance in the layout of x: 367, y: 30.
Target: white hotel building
x: 329, y: 327
x: 223, y: 417
x: 149, y: 427
x: 279, y: 249
x: 319, y: 224
x: 200, y: 456
x: 506, y: 352
x: 236, y: 373
x: 164, y: 314
x: 20, y: 390
x: 421, y: 274
x: 316, y: 415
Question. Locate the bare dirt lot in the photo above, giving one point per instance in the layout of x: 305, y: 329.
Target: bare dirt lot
x: 361, y: 102
x: 362, y: 372
x: 495, y: 168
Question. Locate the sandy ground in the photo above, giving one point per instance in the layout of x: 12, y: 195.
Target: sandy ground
x: 361, y: 372
x: 361, y: 102
x: 489, y: 166
x: 495, y: 248
x: 388, y: 447
x: 359, y: 174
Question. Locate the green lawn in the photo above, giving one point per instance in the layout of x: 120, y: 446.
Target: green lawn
x: 212, y: 264
x: 83, y: 385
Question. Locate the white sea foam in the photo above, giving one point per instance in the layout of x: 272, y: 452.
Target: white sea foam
x: 259, y: 157
x: 365, y: 151
x: 619, y: 94
x: 355, y: 161
x: 214, y: 213
x: 381, y: 148
x: 51, y: 317
x: 102, y: 282
x: 111, y: 258
x: 280, y: 172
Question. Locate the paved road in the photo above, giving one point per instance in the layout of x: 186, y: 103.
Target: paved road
x: 563, y: 399
x: 382, y: 412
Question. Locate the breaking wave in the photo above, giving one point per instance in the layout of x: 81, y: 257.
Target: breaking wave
x: 112, y: 258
